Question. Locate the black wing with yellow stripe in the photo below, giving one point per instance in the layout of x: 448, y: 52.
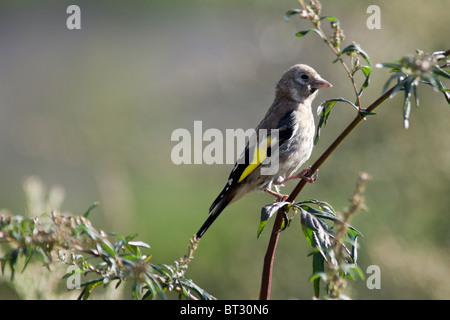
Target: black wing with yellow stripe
x: 254, y: 154
x: 252, y: 157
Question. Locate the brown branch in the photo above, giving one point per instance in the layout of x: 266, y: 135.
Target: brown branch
x: 270, y: 253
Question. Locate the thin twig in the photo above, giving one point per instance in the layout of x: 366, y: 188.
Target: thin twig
x: 338, y: 55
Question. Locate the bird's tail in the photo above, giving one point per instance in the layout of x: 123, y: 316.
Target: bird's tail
x: 222, y: 201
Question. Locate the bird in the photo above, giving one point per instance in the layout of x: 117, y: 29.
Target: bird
x: 291, y: 117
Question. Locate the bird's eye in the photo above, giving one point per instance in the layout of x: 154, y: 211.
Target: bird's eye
x: 304, y: 76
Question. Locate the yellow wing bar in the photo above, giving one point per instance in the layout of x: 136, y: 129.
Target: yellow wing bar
x: 259, y: 156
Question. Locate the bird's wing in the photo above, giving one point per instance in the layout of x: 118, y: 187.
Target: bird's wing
x: 256, y: 152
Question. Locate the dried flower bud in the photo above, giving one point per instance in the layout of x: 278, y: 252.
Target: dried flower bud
x: 316, y: 6
x: 303, y: 14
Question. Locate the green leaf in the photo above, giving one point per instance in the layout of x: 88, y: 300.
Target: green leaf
x: 135, y: 291
x: 192, y: 286
x: 318, y: 272
x: 354, y: 252
x: 318, y: 213
x: 304, y: 32
x: 441, y: 72
x: 12, y: 259
x: 330, y: 103
x: 354, y: 48
x: 331, y: 18
x: 83, y: 293
x: 139, y: 244
x: 447, y: 95
x: 400, y: 85
x: 322, y: 204
x: 3, y: 264
x: 261, y: 227
x: 107, y: 247
x: 154, y: 286
x: 94, y: 205
x: 88, y: 287
x: 267, y: 212
x: 416, y: 97
x: 353, y: 233
x: 316, y: 232
x: 28, y: 254
x: 291, y: 13
x: 442, y: 89
x: 74, y: 271
x: 395, y: 66
x: 185, y: 291
x: 367, y: 71
x: 407, y: 85
x: 352, y: 271
x: 161, y: 270
x: 324, y: 110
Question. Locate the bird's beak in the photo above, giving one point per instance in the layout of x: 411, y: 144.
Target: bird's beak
x: 321, y: 83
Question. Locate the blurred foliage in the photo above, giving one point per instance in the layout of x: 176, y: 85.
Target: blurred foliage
x: 326, y: 231
x: 98, y: 258
x: 420, y: 68
x: 92, y: 110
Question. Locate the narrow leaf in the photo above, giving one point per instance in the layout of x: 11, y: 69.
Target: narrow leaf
x: 291, y: 13
x: 356, y: 48
x: 354, y: 252
x: 352, y: 271
x: 320, y: 238
x: 139, y: 244
x: 267, y: 212
x: 367, y: 71
x: 304, y: 32
x: 407, y: 102
x: 441, y: 72
x: 331, y: 18
x: 442, y: 89
x: 395, y: 66
x: 318, y: 272
x: 416, y: 97
x: 94, y: 205
x: 324, y: 110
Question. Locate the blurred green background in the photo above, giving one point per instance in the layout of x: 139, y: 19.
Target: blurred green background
x: 92, y: 111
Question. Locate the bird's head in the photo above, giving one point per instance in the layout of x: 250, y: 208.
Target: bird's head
x: 301, y: 82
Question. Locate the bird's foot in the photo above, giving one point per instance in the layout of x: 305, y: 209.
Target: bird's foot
x: 306, y: 174
x: 281, y: 197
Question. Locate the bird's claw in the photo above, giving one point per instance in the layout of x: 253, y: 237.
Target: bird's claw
x: 280, y: 197
x: 306, y: 175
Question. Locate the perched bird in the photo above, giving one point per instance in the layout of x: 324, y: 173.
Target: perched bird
x: 291, y: 115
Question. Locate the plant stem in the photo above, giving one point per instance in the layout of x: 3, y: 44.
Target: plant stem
x: 338, y: 55
x: 270, y: 253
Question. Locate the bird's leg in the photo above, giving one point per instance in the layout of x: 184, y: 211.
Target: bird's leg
x: 305, y: 175
x: 281, y: 197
